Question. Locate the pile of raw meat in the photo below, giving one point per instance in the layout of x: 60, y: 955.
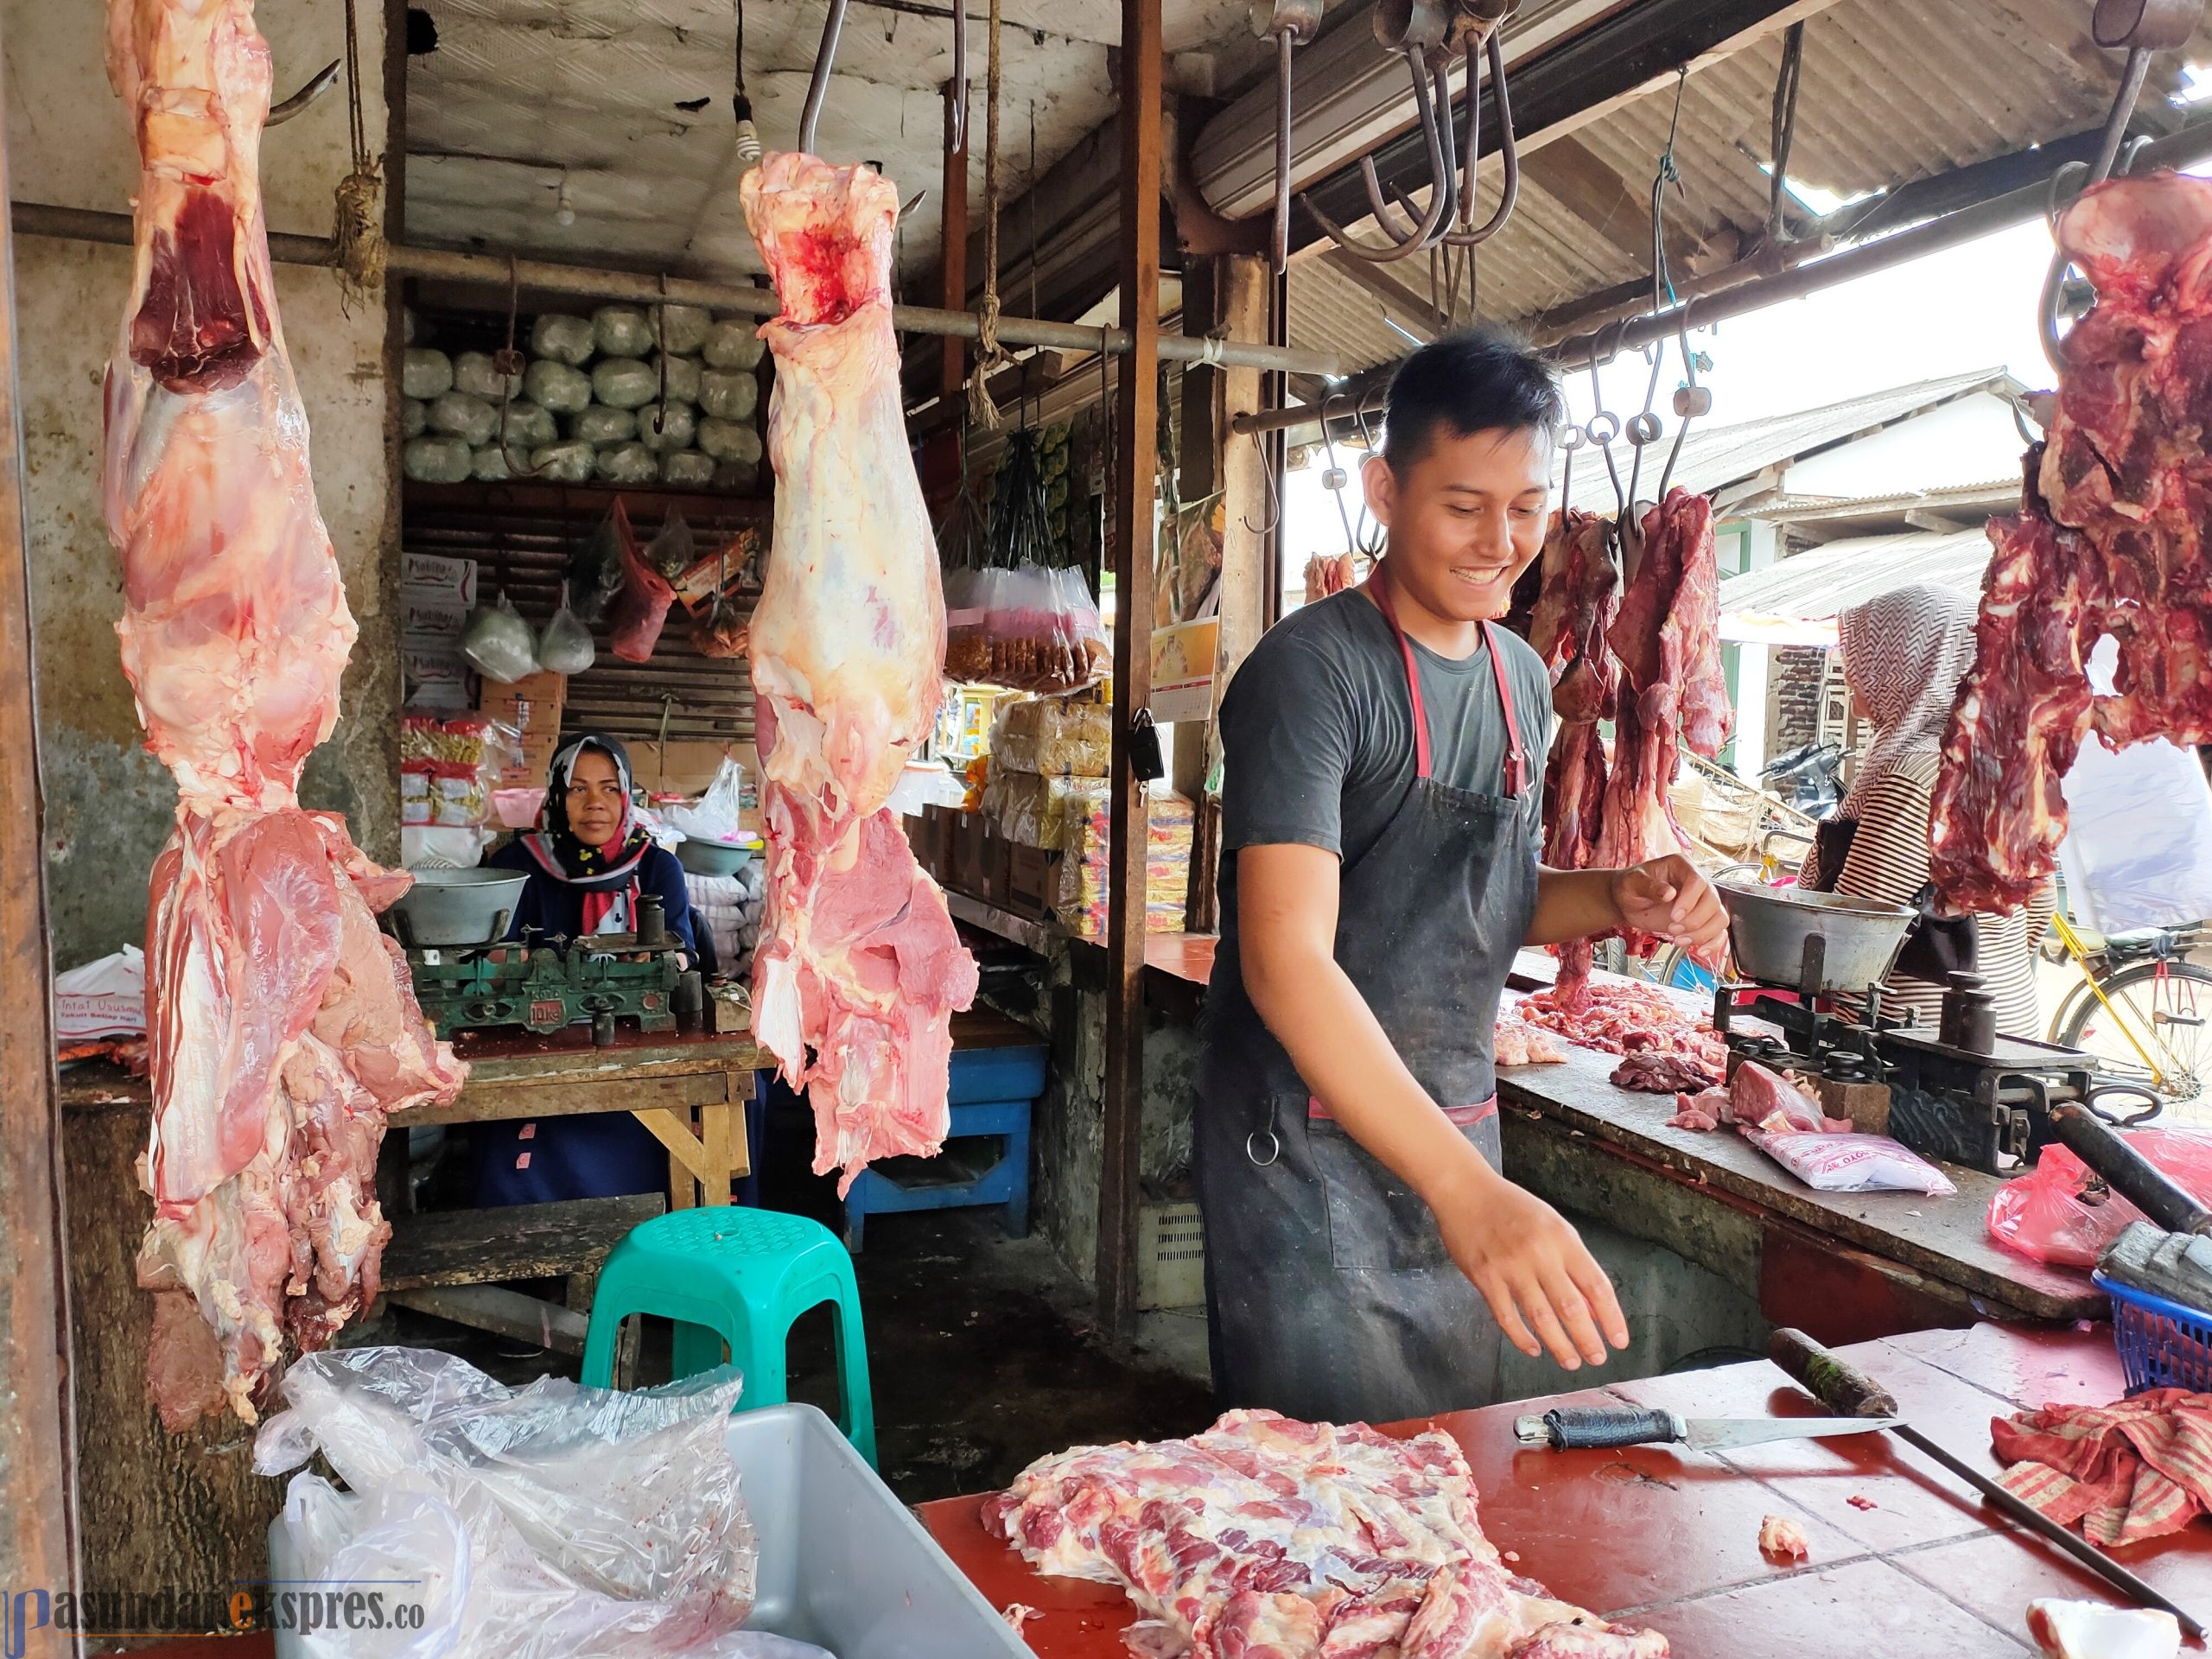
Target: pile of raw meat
x: 858, y: 968
x: 1266, y: 1538
x: 282, y: 1026
x: 1515, y: 1042
x: 1663, y: 1049
x: 2110, y: 540
x: 1755, y: 1098
x: 1649, y: 660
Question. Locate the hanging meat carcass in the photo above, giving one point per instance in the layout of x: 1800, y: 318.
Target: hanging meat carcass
x: 859, y: 968
x: 282, y: 1025
x: 2110, y: 540
x: 1575, y: 605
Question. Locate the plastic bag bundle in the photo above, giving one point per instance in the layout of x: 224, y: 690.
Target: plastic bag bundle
x: 448, y: 768
x: 680, y: 329
x: 691, y: 467
x: 565, y: 340
x: 492, y: 465
x: 678, y: 377
x: 1041, y: 629
x: 555, y: 385
x: 673, y: 548
x: 413, y: 417
x: 565, y: 463
x: 722, y: 631
x: 565, y: 646
x: 2137, y: 851
x: 474, y: 373
x: 624, y: 381
x: 524, y: 426
x: 106, y: 998
x: 628, y: 463
x: 1853, y: 1163
x: 497, y: 642
x: 424, y: 373
x: 622, y: 331
x: 730, y: 440
x: 530, y: 1523
x: 601, y: 424
x: 729, y: 396
x: 662, y: 427
x: 635, y: 618
x: 2062, y: 1212
x: 437, y: 459
x: 458, y: 415
x: 734, y: 344
x: 595, y: 572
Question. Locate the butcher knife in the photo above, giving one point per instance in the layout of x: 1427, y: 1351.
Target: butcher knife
x: 1573, y: 1429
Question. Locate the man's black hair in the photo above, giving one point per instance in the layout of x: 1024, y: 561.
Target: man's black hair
x: 1482, y: 380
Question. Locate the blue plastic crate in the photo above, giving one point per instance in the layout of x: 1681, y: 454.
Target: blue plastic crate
x: 989, y: 1074
x: 2162, y: 1344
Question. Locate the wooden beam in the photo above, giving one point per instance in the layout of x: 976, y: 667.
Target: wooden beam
x: 952, y: 235
x: 39, y: 1485
x: 1575, y: 176
x: 1415, y: 313
x: 1135, y: 418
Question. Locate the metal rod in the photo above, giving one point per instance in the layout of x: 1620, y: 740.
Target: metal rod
x: 1279, y: 244
x: 2123, y: 106
x: 578, y: 282
x: 817, y: 89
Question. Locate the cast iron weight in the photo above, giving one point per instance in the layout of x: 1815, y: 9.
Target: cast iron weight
x: 1841, y: 1386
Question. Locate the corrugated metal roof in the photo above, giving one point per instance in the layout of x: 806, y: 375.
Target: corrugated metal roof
x: 1714, y: 457
x: 1795, y: 602
x: 1888, y: 93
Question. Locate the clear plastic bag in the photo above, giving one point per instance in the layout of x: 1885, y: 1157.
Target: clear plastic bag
x: 540, y: 1523
x: 735, y: 344
x: 555, y: 385
x: 681, y: 330
x: 424, y: 373
x: 565, y: 340
x: 634, y: 620
x: 715, y: 814
x: 673, y: 548
x: 627, y: 463
x: 459, y: 414
x: 686, y: 466
x: 1853, y: 1163
x: 566, y: 645
x: 2063, y: 1213
x: 596, y: 572
x: 622, y: 331
x: 624, y: 381
x: 497, y: 642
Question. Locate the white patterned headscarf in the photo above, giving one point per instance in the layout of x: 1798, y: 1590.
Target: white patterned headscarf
x: 1904, y: 653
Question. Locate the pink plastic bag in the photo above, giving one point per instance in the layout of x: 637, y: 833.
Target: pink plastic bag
x: 641, y: 607
x: 2061, y: 1213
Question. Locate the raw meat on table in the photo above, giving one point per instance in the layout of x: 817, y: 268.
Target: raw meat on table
x: 1518, y: 1043
x: 1654, y: 1074
x: 1270, y: 1537
x: 859, y: 968
x: 1760, y: 1097
x: 1782, y: 1540
x: 1708, y: 1108
x: 1620, y: 1017
x: 2110, y: 540
x: 282, y: 1025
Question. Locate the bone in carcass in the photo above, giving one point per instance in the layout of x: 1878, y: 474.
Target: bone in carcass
x: 282, y: 1025
x: 859, y: 968
x: 1268, y: 1536
x: 1575, y: 604
x: 2110, y: 540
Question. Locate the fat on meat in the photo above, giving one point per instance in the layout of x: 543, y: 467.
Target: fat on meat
x: 1782, y: 1540
x: 1577, y: 600
x: 1519, y: 1043
x: 2109, y: 542
x: 858, y: 968
x: 282, y: 1028
x: 1268, y: 1537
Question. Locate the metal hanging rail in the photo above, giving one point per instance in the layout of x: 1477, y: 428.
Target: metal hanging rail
x: 578, y: 282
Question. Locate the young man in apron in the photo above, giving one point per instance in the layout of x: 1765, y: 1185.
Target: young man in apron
x: 1384, y: 765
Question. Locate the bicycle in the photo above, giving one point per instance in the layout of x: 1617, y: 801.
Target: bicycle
x: 1782, y: 847
x: 2142, y: 1008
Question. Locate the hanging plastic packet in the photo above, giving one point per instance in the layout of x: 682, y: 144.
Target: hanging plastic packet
x: 723, y: 631
x: 566, y: 645
x: 1853, y: 1163
x: 595, y: 572
x: 634, y: 621
x: 672, y: 549
x: 497, y: 642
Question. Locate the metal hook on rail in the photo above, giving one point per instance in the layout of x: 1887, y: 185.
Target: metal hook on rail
x: 959, y: 89
x: 1290, y: 24
x: 1335, y: 478
x: 1417, y: 30
x: 1465, y: 233
x: 317, y: 85
x: 1275, y: 501
x: 817, y: 88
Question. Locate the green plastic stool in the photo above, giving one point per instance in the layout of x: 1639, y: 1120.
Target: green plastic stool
x: 727, y: 1274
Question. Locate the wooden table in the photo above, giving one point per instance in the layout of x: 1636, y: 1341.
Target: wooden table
x: 1670, y: 1538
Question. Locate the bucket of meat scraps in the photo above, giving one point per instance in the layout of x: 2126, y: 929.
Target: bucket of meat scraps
x: 843, y: 1564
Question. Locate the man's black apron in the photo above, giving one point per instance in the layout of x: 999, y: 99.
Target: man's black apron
x: 1330, y: 1294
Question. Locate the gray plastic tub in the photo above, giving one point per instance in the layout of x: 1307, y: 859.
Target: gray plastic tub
x: 843, y: 1563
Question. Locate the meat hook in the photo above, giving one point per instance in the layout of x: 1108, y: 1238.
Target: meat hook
x: 1335, y: 478
x: 817, y: 89
x: 1403, y: 244
x: 1291, y: 23
x: 957, y: 93
x: 1275, y: 502
x: 1465, y: 233
x: 321, y: 82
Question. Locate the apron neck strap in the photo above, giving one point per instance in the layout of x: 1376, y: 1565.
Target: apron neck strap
x: 1517, y: 761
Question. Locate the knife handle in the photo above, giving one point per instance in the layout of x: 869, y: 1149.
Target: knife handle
x: 1575, y: 1428
x: 1829, y: 1378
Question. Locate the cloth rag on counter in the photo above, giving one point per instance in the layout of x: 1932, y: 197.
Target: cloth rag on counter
x: 2139, y: 1468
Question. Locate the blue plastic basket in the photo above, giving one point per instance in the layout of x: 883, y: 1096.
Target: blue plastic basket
x: 2162, y: 1344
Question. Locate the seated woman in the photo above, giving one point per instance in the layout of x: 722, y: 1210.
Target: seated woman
x: 1904, y: 652
x: 589, y: 861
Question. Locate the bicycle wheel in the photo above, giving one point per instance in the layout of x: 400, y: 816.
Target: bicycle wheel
x: 1678, y: 972
x: 2163, y: 1006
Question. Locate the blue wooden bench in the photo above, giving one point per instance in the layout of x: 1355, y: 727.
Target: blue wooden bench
x: 986, y: 1157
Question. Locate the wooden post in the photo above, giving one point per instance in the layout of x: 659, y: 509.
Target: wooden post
x: 38, y: 1487
x: 941, y: 456
x: 1135, y: 419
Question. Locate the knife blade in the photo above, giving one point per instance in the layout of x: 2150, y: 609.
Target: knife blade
x: 1568, y: 1428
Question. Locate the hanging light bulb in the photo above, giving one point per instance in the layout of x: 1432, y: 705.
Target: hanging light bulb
x: 564, y: 214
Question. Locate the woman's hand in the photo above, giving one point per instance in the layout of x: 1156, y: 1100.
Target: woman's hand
x: 1545, y: 1289
x: 1667, y: 896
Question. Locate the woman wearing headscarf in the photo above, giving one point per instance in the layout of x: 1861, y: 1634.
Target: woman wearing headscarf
x: 590, y: 862
x: 1904, y: 653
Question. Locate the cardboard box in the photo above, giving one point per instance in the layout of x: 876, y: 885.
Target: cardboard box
x: 1171, y: 1256
x: 532, y: 706
x: 998, y: 862
x: 967, y: 868
x: 431, y: 576
x: 1032, y: 881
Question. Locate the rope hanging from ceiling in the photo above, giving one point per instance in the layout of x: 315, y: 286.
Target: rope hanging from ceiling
x: 358, y: 229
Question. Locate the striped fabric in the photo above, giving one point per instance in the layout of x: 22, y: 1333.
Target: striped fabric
x: 1888, y: 862
x: 2138, y: 1469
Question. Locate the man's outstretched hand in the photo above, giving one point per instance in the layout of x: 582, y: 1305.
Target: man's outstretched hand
x: 1545, y: 1289
x: 1668, y: 898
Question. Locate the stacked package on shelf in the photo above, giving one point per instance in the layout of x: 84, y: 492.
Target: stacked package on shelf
x: 1048, y: 765
x: 1084, y: 875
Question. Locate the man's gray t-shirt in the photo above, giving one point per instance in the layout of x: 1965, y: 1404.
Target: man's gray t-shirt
x: 1318, y: 737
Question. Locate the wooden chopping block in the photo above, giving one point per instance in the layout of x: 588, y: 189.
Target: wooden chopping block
x: 1866, y: 1104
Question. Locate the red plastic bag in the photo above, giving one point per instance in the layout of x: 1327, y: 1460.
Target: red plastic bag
x: 2061, y: 1213
x: 641, y: 607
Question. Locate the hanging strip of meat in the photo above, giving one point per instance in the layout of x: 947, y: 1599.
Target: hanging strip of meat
x: 858, y: 968
x: 282, y: 1026
x: 1575, y: 604
x: 2110, y: 541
